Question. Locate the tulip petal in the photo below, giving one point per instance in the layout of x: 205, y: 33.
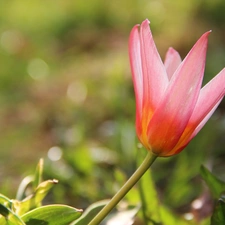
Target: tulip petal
x: 172, y: 115
x: 149, y: 76
x: 185, y: 141
x: 155, y: 79
x: 172, y: 61
x: 210, y: 97
x: 203, y: 122
x: 137, y: 76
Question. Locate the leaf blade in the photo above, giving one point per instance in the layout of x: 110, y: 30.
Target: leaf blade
x: 52, y: 215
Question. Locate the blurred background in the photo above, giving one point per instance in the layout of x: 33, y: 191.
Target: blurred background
x: 66, y: 95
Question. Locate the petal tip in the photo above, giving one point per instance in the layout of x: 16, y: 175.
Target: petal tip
x: 146, y: 22
x: 207, y: 33
x: 171, y: 50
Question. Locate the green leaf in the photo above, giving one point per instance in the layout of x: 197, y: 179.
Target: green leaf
x: 4, y: 210
x: 32, y: 181
x: 169, y: 218
x: 5, y: 201
x: 42, y: 190
x: 90, y: 212
x: 34, y: 200
x: 52, y: 215
x: 25, y: 183
x: 218, y: 217
x: 38, y: 174
x: 9, y: 218
x: 149, y: 199
x: 215, y: 185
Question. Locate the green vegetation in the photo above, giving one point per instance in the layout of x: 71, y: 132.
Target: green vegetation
x: 66, y: 95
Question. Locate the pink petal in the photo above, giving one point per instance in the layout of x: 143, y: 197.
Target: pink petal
x: 172, y: 115
x: 136, y: 69
x: 203, y: 122
x: 210, y: 97
x: 155, y: 78
x: 189, y: 136
x: 172, y: 61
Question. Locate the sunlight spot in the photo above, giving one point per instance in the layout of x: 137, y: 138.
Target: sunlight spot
x: 188, y: 216
x: 38, y: 69
x: 139, y: 145
x: 77, y: 92
x: 190, y: 90
x: 55, y: 153
x: 197, y: 204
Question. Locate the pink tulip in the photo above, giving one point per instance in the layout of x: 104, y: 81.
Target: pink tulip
x: 171, y: 106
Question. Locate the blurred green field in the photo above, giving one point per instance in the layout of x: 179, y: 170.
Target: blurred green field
x: 66, y: 95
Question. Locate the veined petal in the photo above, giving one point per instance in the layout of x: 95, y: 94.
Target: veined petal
x: 210, y: 97
x: 188, y: 136
x: 172, y: 61
x: 203, y: 122
x: 171, y: 117
x: 155, y: 78
x: 137, y: 76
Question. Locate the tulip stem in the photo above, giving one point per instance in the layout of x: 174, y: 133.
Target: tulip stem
x: 148, y: 161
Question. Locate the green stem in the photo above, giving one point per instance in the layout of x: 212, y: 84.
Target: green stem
x: 149, y: 159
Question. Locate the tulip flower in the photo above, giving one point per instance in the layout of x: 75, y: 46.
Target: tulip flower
x: 171, y: 105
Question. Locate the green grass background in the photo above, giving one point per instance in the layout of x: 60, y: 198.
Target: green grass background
x: 65, y: 82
